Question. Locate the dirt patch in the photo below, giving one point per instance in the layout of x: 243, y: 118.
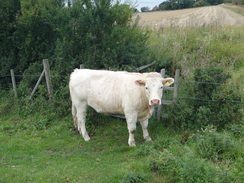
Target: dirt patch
x: 203, y: 16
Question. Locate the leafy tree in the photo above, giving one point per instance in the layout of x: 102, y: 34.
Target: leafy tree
x: 145, y: 9
x: 238, y: 2
x: 97, y: 33
x: 181, y: 4
x: 166, y: 5
x: 8, y: 52
x: 101, y: 37
x: 200, y: 3
x: 37, y: 30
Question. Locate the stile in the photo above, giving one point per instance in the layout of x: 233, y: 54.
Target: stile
x: 145, y: 66
x: 175, y: 93
x: 38, y: 82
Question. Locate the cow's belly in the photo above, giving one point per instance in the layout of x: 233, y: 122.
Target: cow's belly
x: 104, y: 104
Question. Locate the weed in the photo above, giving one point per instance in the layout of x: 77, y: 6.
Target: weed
x: 236, y: 129
x: 41, y: 124
x: 144, y: 150
x: 134, y: 178
x: 211, y: 144
x: 188, y: 167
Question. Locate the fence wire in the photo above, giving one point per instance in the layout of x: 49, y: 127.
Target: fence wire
x: 180, y: 82
x: 207, y: 100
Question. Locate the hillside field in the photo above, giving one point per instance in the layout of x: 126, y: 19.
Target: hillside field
x: 194, y: 17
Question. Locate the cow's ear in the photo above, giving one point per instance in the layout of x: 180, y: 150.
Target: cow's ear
x: 140, y: 82
x: 167, y: 81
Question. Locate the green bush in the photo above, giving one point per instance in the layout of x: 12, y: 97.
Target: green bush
x: 165, y: 164
x: 210, y: 99
x: 237, y: 129
x: 99, y: 34
x: 187, y: 167
x: 208, y: 80
x: 212, y: 145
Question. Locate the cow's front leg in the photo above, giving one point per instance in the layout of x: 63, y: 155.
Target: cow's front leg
x: 144, y: 125
x: 131, y: 125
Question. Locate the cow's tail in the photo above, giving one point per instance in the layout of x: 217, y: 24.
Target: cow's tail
x: 74, y: 114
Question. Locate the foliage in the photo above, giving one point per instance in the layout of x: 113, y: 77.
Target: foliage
x: 208, y: 102
x: 133, y: 178
x: 237, y: 2
x: 181, y: 4
x: 99, y: 34
x: 8, y: 51
x: 200, y: 3
x: 212, y: 145
x: 206, y: 81
x: 187, y: 167
x: 145, y: 9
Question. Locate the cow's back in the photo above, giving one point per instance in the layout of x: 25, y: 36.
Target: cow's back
x: 105, y: 91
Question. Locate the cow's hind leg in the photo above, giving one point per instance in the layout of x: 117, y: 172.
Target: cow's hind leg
x: 74, y: 115
x: 81, y: 118
x: 144, y: 125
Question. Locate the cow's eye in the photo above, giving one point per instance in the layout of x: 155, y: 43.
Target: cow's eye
x: 146, y: 88
x: 161, y: 87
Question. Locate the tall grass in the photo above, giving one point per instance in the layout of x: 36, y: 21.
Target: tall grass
x: 190, y: 48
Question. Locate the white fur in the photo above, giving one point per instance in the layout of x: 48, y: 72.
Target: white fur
x: 125, y: 93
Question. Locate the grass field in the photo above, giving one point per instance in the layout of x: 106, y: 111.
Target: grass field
x: 37, y: 149
x: 38, y: 145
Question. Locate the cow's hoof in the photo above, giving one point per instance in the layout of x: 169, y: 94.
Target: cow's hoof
x: 132, y: 144
x: 148, y: 139
x: 86, y: 138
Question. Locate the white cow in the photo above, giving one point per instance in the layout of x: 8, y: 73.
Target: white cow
x: 131, y: 94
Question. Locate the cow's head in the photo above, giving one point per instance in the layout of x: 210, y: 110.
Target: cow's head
x: 153, y: 85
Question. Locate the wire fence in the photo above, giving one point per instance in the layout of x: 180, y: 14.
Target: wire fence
x: 207, y: 100
x: 180, y: 84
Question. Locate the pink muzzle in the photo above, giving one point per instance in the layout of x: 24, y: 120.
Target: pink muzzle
x: 155, y: 102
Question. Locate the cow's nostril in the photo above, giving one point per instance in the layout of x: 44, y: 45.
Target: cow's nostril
x: 155, y: 101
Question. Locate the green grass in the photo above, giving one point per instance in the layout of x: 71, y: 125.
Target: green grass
x: 32, y: 152
x: 41, y: 148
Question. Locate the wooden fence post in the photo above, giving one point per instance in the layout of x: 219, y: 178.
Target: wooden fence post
x: 48, y: 78
x: 176, y: 84
x: 160, y: 106
x: 14, y: 82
